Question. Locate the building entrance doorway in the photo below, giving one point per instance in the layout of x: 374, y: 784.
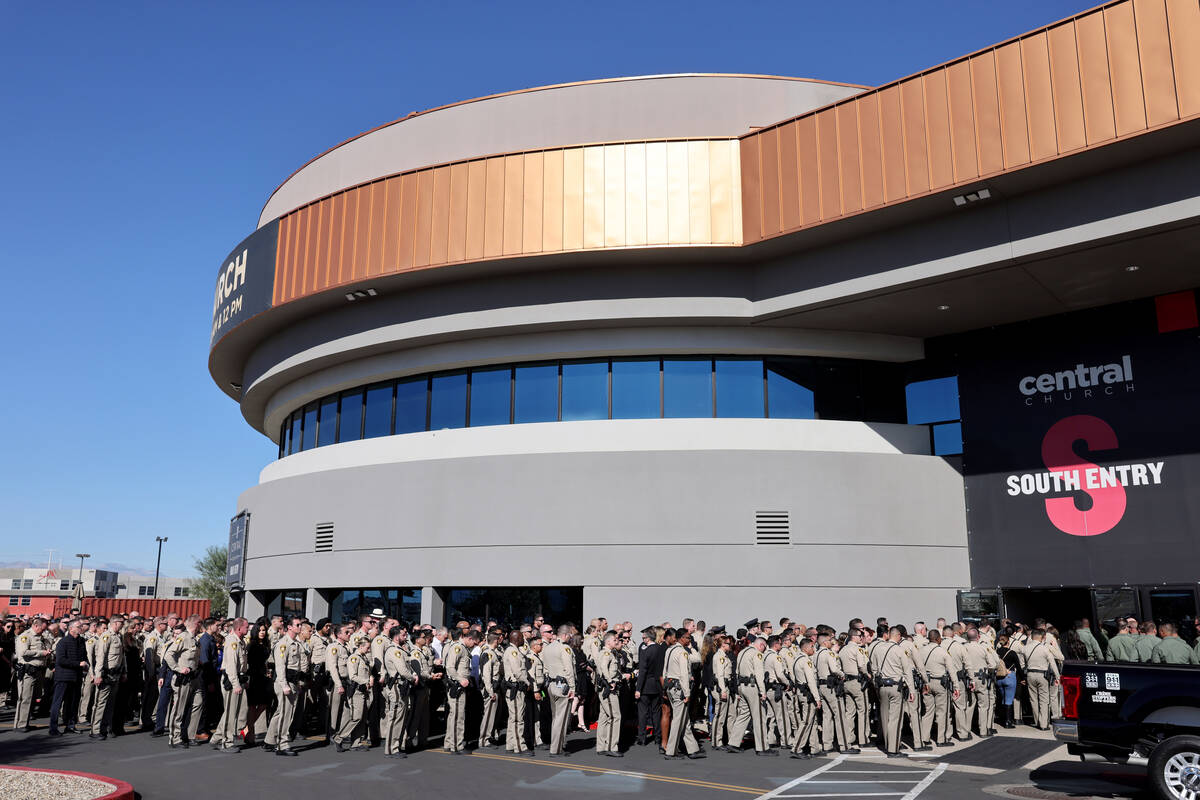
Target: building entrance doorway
x: 1059, y: 607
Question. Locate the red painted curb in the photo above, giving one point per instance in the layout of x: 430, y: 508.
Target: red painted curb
x: 123, y: 791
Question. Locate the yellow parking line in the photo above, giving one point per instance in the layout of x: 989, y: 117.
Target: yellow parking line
x: 699, y: 784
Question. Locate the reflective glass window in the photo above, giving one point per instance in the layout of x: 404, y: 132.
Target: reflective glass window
x: 350, y: 426
x: 448, y: 402
x: 310, y: 427
x: 932, y: 401
x: 491, y: 391
x: 635, y: 389
x: 378, y: 419
x: 327, y: 422
x: 787, y: 399
x: 739, y: 388
x: 535, y: 394
x: 284, y: 431
x: 585, y: 391
x: 294, y: 437
x: 410, y: 405
x: 687, y: 388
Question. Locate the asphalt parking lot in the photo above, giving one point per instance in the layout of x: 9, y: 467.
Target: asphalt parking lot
x: 1014, y: 764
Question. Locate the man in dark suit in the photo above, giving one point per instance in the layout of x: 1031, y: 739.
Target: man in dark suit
x: 70, y: 663
x: 648, y: 689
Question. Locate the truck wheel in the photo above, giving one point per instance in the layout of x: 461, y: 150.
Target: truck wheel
x: 1175, y: 768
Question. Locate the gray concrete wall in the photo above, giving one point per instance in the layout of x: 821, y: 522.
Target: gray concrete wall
x: 650, y: 534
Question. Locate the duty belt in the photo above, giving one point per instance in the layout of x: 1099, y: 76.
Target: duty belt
x: 745, y: 681
x: 831, y: 682
x: 853, y: 678
x: 887, y: 682
x: 1045, y: 672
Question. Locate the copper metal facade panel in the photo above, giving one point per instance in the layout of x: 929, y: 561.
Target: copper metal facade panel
x: 1111, y: 72
x: 937, y: 126
x: 1183, y: 22
x: 1068, y: 96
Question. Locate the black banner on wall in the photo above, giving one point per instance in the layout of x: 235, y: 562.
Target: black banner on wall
x: 245, y: 280
x: 236, y: 554
x: 1081, y: 443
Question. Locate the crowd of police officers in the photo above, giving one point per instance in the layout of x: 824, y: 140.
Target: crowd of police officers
x: 376, y: 682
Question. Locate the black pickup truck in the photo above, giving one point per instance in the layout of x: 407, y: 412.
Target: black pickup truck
x: 1140, y: 714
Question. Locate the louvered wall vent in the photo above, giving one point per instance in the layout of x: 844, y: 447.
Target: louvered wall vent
x: 772, y: 527
x: 324, y: 540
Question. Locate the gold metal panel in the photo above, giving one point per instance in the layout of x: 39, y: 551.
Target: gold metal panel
x: 849, y: 160
x: 699, y: 200
x: 768, y: 143
x: 1129, y: 103
x: 573, y: 199
x: 871, y: 151
x: 962, y: 121
x: 422, y: 245
x: 937, y: 129
x: 1154, y: 50
x: 439, y: 231
x: 337, y: 244
x: 656, y: 189
x: 593, y: 197
x: 296, y: 274
x: 989, y: 143
x: 751, y: 189
x: 281, y: 259
x: 374, y: 263
x: 393, y: 200
x: 493, y: 208
x: 916, y: 149
x: 891, y: 134
x: 408, y: 221
x: 1098, y: 122
x: 614, y: 195
x: 789, y: 178
x: 1039, y: 97
x: 552, y: 205
x: 323, y: 240
x: 1014, y: 127
x: 1183, y: 22
x: 514, y: 203
x: 1064, y: 82
x: 809, y: 172
x: 720, y: 177
x: 349, y: 238
x: 362, y: 234
x: 635, y: 194
x: 476, y: 198
x: 309, y: 251
x: 735, y: 187
x: 827, y: 164
x: 456, y: 233
x: 678, y: 213
x: 531, y: 213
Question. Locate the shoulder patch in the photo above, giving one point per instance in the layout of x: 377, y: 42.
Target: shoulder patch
x: 760, y: 656
x: 567, y: 649
x: 234, y: 645
x: 353, y: 659
x: 24, y: 638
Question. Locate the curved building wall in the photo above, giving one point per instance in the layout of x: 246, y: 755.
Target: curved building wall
x: 652, y: 517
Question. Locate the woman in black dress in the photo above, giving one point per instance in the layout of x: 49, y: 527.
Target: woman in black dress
x: 583, y: 681
x: 258, y: 691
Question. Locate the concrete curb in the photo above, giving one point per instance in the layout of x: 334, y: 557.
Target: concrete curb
x: 123, y: 790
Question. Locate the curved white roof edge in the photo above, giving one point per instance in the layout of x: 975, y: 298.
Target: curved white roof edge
x: 612, y: 110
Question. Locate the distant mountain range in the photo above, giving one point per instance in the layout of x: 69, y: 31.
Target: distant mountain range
x: 124, y: 570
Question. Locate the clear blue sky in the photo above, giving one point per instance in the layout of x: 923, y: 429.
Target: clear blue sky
x: 140, y: 141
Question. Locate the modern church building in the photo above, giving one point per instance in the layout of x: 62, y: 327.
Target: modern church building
x: 733, y: 346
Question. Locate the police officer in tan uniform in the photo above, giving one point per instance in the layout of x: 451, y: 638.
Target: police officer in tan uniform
x: 421, y: 658
x: 1041, y: 672
x: 608, y: 680
x: 752, y: 689
x: 559, y: 662
x: 357, y: 684
x: 337, y: 657
x: 456, y: 660
x: 398, y: 682
x: 893, y: 676
x: 939, y: 667
x: 776, y: 680
x: 516, y: 686
x: 830, y: 679
x: 109, y: 670
x: 490, y: 672
x: 956, y: 653
x: 804, y: 677
x: 539, y: 701
x: 981, y: 664
x: 853, y: 658
x: 182, y: 659
x: 677, y: 684
x: 288, y: 663
x: 723, y: 693
x: 235, y: 672
x: 31, y: 657
x: 87, y: 696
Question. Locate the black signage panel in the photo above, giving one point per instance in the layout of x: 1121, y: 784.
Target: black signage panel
x: 236, y: 560
x: 1081, y: 450
x: 245, y: 280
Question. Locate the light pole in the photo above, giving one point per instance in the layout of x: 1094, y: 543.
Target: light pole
x: 81, y: 557
x: 160, y: 540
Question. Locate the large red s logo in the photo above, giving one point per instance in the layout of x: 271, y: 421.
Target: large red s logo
x: 1108, y: 503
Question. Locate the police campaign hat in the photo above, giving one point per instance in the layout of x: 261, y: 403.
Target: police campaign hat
x: 752, y: 623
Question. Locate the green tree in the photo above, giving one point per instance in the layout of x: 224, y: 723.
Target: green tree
x: 210, y: 568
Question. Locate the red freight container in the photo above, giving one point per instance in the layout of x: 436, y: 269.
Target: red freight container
x: 146, y: 606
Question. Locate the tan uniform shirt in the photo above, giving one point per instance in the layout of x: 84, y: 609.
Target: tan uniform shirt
x: 537, y: 671
x: 182, y: 653
x: 358, y: 668
x: 235, y: 662
x: 1041, y: 658
x: 559, y: 661
x: 676, y: 666
x: 29, y: 647
x: 285, y: 655
x: 722, y: 669
x: 607, y: 668
x: 513, y: 666
x: 110, y: 655
x: 489, y: 670
x: 456, y: 659
x: 750, y: 665
x: 804, y: 673
x: 337, y: 656
x: 854, y: 660
x: 894, y: 665
x: 396, y: 664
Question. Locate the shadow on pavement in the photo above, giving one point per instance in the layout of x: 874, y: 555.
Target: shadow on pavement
x: 1094, y: 780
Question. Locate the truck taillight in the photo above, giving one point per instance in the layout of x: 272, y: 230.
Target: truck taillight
x: 1070, y: 688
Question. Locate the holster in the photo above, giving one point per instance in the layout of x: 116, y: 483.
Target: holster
x: 225, y: 682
